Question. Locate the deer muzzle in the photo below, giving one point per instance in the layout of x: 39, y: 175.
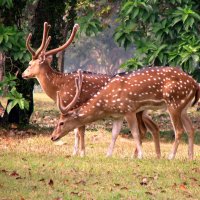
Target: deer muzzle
x: 55, y: 138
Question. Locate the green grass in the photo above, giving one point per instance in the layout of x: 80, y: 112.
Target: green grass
x: 32, y: 167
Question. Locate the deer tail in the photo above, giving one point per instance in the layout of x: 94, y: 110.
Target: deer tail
x: 197, y: 95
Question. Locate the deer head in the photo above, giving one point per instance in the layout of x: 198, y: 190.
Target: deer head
x: 42, y: 58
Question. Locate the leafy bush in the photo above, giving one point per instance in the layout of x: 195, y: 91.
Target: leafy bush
x: 164, y: 32
x: 14, y: 97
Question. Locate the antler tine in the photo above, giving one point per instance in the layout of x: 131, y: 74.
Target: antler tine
x: 80, y: 76
x: 78, y: 83
x: 28, y: 44
x: 44, y: 38
x: 64, y: 46
x: 47, y: 43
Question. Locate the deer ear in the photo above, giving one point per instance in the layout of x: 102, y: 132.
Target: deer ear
x: 73, y: 113
x: 49, y: 59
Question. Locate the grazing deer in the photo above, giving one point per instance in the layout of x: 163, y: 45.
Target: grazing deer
x: 125, y: 95
x: 52, y: 82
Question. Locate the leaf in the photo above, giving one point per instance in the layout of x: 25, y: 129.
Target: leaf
x: 182, y: 187
x: 135, y: 13
x: 149, y: 193
x: 11, y: 105
x: 126, y: 6
x: 3, y: 171
x: 195, y: 58
x: 124, y: 188
x: 184, y: 17
x: 129, y: 10
x: 5, y: 38
x: 1, y: 38
x: 21, y: 103
x: 50, y: 182
x: 14, y: 173
x: 81, y: 182
x: 175, y: 21
x: 74, y: 193
x: 117, y: 35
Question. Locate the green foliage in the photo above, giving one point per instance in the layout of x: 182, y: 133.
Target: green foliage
x: 124, y: 35
x: 6, y: 3
x: 12, y: 44
x: 12, y: 40
x: 89, y: 25
x: 9, y: 81
x: 164, y: 33
x: 132, y: 63
x: 15, y: 97
x: 92, y: 15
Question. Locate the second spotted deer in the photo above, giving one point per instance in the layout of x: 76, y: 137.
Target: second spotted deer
x: 126, y: 95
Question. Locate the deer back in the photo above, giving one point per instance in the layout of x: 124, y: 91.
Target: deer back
x: 150, y: 88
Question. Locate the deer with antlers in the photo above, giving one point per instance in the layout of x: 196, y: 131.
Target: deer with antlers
x: 125, y: 95
x: 76, y: 88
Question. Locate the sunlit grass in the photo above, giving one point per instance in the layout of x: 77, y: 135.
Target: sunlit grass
x: 46, y: 171
x: 33, y: 167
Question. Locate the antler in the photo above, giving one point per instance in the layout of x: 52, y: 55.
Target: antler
x: 43, y: 44
x: 78, y: 82
x: 28, y: 45
x: 69, y: 41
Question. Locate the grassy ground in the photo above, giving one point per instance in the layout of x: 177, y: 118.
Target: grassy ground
x: 32, y: 167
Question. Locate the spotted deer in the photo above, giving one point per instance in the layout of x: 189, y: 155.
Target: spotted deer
x: 52, y: 81
x: 125, y: 95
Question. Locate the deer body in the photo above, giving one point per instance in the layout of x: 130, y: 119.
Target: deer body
x: 64, y: 83
x: 125, y: 95
x: 52, y: 81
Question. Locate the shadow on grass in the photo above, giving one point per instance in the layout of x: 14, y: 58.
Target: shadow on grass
x: 166, y: 136
x: 25, y: 131
x: 32, y: 130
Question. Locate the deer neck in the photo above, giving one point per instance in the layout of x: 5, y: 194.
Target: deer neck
x: 48, y: 81
x: 94, y: 110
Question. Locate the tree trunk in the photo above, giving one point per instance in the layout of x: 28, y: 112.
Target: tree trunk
x: 52, y: 12
x: 2, y: 110
x: 67, y: 29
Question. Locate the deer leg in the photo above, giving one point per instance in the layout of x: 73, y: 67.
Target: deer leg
x: 76, y: 141
x: 187, y: 124
x: 153, y: 128
x: 79, y: 137
x: 178, y: 129
x: 142, y: 129
x: 117, y: 125
x: 81, y: 131
x: 133, y: 125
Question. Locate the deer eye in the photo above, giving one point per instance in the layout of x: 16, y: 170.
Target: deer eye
x: 61, y: 123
